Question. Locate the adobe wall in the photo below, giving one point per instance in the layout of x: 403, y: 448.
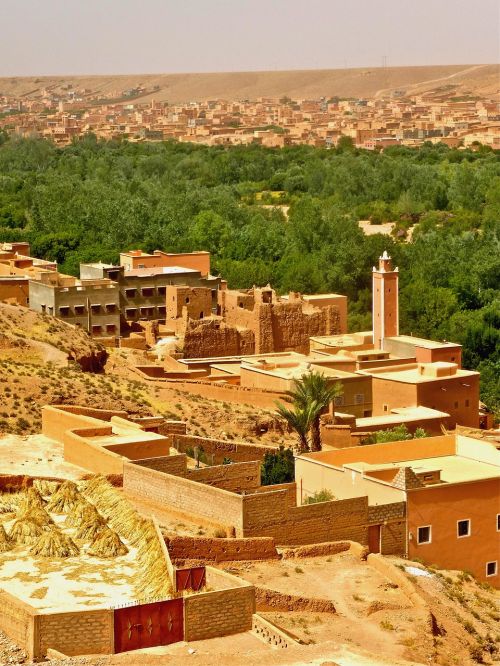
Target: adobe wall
x: 293, y: 324
x: 461, y: 404
x: 221, y: 550
x: 17, y: 622
x: 82, y: 452
x: 220, y: 613
x: 237, y: 477
x: 56, y: 420
x: 212, y: 337
x: 84, y: 632
x: 215, y: 504
x: 12, y: 292
x: 218, y: 449
x: 392, y: 395
x: 142, y: 449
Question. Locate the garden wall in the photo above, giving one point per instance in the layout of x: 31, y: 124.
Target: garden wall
x: 220, y: 448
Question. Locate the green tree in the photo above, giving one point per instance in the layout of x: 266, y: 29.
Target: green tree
x: 278, y: 467
x: 299, y: 419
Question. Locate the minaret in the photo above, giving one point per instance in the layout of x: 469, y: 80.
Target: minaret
x: 385, y: 310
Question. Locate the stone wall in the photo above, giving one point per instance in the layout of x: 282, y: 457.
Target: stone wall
x: 175, y: 465
x: 85, y: 632
x: 392, y: 518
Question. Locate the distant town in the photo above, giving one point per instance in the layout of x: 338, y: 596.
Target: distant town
x: 439, y: 116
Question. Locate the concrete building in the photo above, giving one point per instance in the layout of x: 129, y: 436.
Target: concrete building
x: 449, y: 484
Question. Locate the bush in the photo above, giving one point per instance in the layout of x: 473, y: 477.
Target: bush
x: 278, y: 467
x: 320, y: 496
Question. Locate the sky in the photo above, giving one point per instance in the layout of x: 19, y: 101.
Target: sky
x: 44, y: 37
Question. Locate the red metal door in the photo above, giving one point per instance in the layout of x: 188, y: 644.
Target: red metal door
x: 193, y: 578
x: 148, y: 625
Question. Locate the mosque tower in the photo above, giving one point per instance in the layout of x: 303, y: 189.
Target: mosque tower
x: 385, y: 308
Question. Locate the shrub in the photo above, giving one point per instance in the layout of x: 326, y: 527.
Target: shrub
x: 320, y: 496
x: 278, y: 467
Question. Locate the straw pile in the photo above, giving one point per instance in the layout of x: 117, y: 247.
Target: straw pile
x: 155, y: 580
x: 65, y: 498
x: 46, y: 487
x: 107, y: 543
x: 10, y: 502
x: 33, y: 497
x: 53, y: 543
x: 25, y: 531
x: 36, y: 514
x: 82, y: 507
x: 5, y: 542
x: 91, y: 524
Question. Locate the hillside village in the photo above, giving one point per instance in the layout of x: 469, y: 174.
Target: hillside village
x: 138, y: 475
x: 450, y: 111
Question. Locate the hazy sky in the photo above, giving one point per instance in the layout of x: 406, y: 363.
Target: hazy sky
x: 149, y: 36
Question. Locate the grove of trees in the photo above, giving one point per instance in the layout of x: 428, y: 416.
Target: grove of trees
x: 92, y: 199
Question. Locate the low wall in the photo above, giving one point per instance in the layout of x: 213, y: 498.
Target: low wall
x: 220, y: 613
x: 17, y: 622
x: 216, y: 504
x: 159, y: 446
x: 237, y: 477
x: 83, y: 632
x: 221, y: 550
x: 56, y: 420
x: 218, y: 449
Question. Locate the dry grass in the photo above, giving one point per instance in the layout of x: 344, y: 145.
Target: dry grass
x: 25, y: 531
x: 5, y: 541
x: 35, y: 513
x: 45, y: 487
x: 65, y: 498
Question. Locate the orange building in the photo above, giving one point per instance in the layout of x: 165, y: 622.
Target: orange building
x: 451, y: 487
x: 198, y: 261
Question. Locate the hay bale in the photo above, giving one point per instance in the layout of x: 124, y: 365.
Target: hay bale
x: 32, y: 497
x: 81, y: 508
x: 25, y: 531
x: 46, y: 487
x: 53, y: 543
x: 91, y: 525
x: 65, y: 498
x: 107, y: 543
x: 5, y: 542
x: 35, y: 513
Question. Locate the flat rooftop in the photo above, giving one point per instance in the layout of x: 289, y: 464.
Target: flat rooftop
x: 295, y: 370
x: 404, y: 414
x: 410, y: 374
x: 454, y: 469
x: 161, y: 270
x: 36, y: 455
x: 345, y: 340
x: 422, y: 342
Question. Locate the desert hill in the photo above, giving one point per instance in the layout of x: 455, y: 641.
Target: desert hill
x: 298, y: 84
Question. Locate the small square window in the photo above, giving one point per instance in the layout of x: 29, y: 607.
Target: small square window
x: 491, y: 568
x: 463, y: 528
x: 424, y: 534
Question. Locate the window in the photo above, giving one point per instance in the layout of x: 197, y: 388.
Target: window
x: 147, y: 292
x: 162, y: 291
x: 463, y: 528
x: 95, y: 308
x: 79, y: 309
x: 111, y: 307
x: 96, y: 330
x: 338, y: 401
x: 113, y: 275
x: 359, y: 398
x: 110, y: 328
x: 64, y: 311
x: 130, y: 293
x: 491, y: 568
x: 187, y: 299
x: 386, y: 408
x: 424, y: 534
x: 498, y: 522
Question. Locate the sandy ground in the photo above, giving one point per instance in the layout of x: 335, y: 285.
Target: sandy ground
x: 35, y: 455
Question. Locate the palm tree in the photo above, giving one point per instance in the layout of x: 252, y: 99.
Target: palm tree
x: 313, y: 388
x: 299, y: 419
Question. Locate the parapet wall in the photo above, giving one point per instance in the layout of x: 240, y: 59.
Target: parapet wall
x: 238, y: 477
x: 221, y: 550
x: 57, y: 420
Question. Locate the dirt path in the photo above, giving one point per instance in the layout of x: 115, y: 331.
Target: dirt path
x: 415, y: 87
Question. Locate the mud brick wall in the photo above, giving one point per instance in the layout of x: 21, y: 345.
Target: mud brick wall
x: 237, y: 477
x: 266, y: 514
x: 392, y: 518
x: 220, y: 449
x: 87, y: 632
x: 175, y: 465
x: 17, y: 622
x: 220, y: 613
x: 216, y: 504
x: 221, y: 550
x: 173, y: 428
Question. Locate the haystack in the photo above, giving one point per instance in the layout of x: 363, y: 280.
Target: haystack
x: 82, y: 507
x: 5, y: 542
x: 90, y: 525
x: 65, y: 498
x: 155, y: 581
x: 35, y: 513
x: 107, y: 543
x: 33, y: 497
x: 46, y: 487
x: 113, y: 506
x: 10, y: 502
x: 25, y: 531
x: 53, y: 543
